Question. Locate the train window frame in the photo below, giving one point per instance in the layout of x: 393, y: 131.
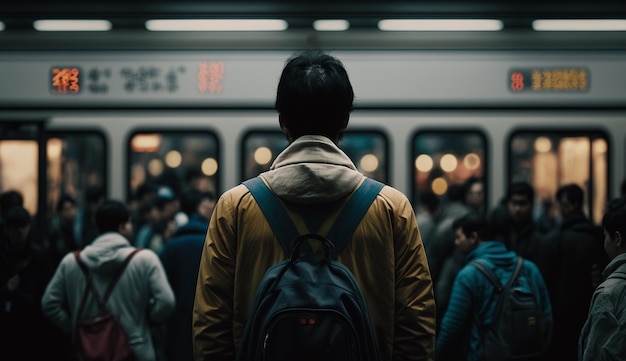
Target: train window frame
x: 566, y: 132
x: 486, y: 174
x: 58, y: 133
x: 243, y: 152
x: 358, y: 131
x: 170, y: 131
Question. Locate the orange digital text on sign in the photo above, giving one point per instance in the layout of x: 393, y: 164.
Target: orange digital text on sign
x: 210, y: 76
x: 65, y: 80
x: 560, y: 79
x: 549, y: 80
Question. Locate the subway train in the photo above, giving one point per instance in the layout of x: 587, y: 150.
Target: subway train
x: 431, y: 110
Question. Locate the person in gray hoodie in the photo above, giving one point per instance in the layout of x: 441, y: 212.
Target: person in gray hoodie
x: 141, y: 297
x: 602, y: 336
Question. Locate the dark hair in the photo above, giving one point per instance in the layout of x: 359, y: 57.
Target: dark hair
x: 614, y: 219
x: 110, y: 215
x: 145, y: 189
x: 65, y: 199
x: 189, y: 201
x: 623, y: 188
x: 314, y: 95
x: 17, y: 216
x: 456, y: 193
x: 430, y: 200
x: 193, y: 173
x: 573, y: 192
x: 521, y: 188
x: 94, y: 193
x: 474, y: 222
x: 10, y: 199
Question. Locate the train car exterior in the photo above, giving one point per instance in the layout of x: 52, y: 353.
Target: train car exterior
x: 119, y: 118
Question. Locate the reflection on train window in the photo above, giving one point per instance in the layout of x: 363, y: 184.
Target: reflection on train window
x: 368, y: 150
x: 551, y: 159
x: 76, y: 166
x: 178, y: 159
x: 443, y: 161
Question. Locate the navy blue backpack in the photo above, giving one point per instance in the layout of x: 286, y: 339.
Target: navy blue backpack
x: 310, y: 307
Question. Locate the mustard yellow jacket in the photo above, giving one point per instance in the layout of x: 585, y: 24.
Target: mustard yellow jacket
x: 386, y: 256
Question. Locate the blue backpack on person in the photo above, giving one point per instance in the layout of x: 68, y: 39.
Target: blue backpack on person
x: 518, y: 328
x: 310, y: 307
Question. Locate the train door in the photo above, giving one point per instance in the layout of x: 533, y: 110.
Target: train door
x: 23, y: 171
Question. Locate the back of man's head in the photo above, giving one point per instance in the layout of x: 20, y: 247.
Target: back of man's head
x: 110, y: 215
x: 614, y: 219
x: 10, y: 199
x: 474, y: 223
x: 314, y: 95
x: 573, y: 193
x: 521, y: 188
x: 18, y: 216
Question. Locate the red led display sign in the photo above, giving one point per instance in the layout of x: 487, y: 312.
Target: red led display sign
x: 65, y: 80
x: 549, y: 80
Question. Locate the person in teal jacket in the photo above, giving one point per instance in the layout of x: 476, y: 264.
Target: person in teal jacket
x: 473, y: 295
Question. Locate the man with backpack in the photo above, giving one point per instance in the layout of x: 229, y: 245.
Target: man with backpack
x: 499, y: 307
x: 312, y: 179
x: 82, y: 282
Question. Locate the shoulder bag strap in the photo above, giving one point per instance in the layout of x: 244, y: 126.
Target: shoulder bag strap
x: 499, y: 289
x: 118, y: 274
x: 88, y: 287
x: 353, y: 212
x: 341, y: 231
x: 492, y: 277
x: 282, y: 225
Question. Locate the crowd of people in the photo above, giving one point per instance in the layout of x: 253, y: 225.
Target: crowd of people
x: 187, y: 295
x: 36, y: 274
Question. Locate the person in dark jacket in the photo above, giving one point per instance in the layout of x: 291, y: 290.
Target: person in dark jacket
x: 181, y: 259
x: 603, y: 334
x: 575, y: 249
x: 63, y: 238
x: 473, y: 297
x: 516, y: 227
x: 24, y: 274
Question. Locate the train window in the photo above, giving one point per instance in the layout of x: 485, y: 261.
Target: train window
x: 178, y: 159
x: 443, y: 161
x: 367, y: 149
x: 76, y: 165
x: 19, y: 162
x: 550, y: 159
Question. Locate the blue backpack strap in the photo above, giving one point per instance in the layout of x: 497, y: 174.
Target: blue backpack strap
x: 341, y: 231
x: 492, y: 277
x: 353, y: 212
x: 276, y: 215
x: 498, y: 287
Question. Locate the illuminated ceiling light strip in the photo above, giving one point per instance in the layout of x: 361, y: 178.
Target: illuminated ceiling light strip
x: 72, y: 25
x: 440, y: 25
x: 580, y: 25
x: 331, y: 25
x: 216, y: 25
